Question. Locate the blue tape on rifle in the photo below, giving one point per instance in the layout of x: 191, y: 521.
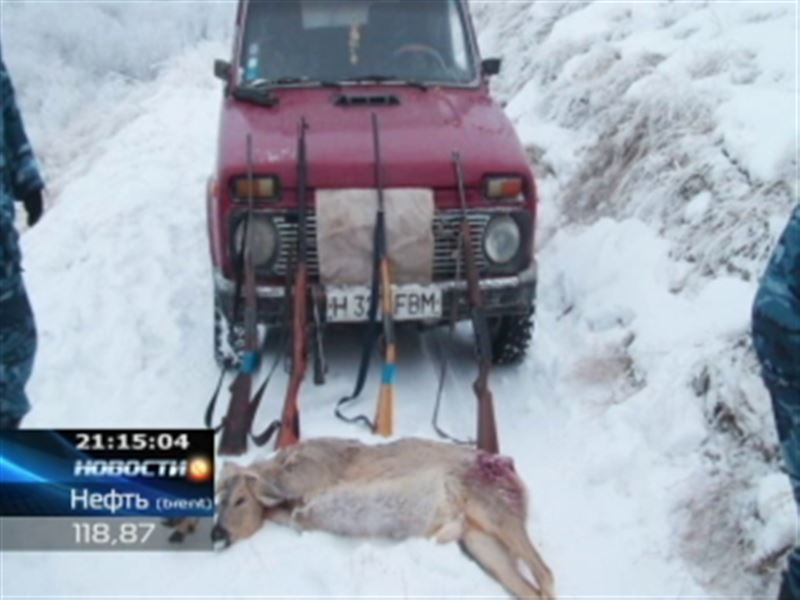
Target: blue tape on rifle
x: 389, y: 371
x: 249, y: 363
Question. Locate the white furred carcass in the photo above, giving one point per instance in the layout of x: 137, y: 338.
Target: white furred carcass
x: 407, y: 488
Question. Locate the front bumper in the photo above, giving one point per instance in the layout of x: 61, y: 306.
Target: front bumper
x: 511, y: 295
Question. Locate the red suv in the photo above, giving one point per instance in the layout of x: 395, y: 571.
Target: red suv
x: 416, y: 65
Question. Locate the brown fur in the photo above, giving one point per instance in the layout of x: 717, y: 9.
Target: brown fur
x: 408, y: 488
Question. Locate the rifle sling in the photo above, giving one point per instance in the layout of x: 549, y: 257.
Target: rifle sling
x: 256, y: 402
x: 237, y: 304
x: 212, y: 404
x: 372, y: 331
x: 263, y: 438
x: 443, y: 357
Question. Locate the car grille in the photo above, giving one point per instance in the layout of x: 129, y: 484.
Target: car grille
x: 446, y: 229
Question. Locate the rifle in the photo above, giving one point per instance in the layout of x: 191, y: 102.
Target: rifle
x: 236, y: 425
x: 290, y: 417
x: 487, y: 428
x: 384, y: 415
x: 380, y: 287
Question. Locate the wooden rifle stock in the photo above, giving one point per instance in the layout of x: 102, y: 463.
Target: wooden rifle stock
x: 384, y: 414
x: 290, y: 417
x: 487, y: 426
x: 239, y: 417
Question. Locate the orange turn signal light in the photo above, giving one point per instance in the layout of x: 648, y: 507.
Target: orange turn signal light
x: 260, y: 188
x: 505, y: 188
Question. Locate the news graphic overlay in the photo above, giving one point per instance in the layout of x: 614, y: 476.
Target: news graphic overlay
x: 106, y: 489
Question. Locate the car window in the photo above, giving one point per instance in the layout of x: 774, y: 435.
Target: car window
x: 335, y: 40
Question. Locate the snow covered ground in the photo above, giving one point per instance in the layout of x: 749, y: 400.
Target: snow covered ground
x: 665, y: 140
x: 678, y: 121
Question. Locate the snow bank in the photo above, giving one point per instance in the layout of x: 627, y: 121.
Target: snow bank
x: 76, y: 68
x: 127, y: 239
x: 636, y: 109
x: 678, y: 121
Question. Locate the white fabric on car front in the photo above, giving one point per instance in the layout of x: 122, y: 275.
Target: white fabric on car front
x: 345, y: 229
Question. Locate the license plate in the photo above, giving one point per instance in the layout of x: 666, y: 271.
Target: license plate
x: 411, y: 303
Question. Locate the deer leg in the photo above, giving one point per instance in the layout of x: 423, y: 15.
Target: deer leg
x: 182, y: 528
x: 449, y: 531
x: 494, y: 558
x: 512, y: 534
x: 518, y: 542
x: 282, y: 515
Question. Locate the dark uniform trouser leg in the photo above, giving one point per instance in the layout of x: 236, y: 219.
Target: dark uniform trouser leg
x: 786, y: 406
x: 17, y: 349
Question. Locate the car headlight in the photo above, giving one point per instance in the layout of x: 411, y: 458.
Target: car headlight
x: 263, y: 237
x: 502, y: 239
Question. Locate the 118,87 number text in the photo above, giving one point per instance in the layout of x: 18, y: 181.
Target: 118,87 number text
x: 105, y: 534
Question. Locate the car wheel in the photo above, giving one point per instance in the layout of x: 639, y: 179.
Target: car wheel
x: 511, y: 338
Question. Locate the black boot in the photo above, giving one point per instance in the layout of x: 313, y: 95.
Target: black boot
x: 785, y: 593
x: 10, y: 422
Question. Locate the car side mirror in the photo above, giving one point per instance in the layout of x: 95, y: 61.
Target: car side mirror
x: 222, y: 70
x: 491, y: 66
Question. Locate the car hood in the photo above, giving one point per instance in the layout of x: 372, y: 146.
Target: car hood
x: 418, y: 136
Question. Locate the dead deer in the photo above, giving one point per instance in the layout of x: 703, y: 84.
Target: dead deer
x: 408, y: 488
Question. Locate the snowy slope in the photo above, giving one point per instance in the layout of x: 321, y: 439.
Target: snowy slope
x: 684, y: 117
x: 638, y: 423
x: 77, y: 69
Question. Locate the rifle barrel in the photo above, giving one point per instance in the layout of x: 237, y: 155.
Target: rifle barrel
x: 487, y: 426
x: 239, y: 417
x: 290, y: 416
x: 376, y: 144
x: 302, y: 191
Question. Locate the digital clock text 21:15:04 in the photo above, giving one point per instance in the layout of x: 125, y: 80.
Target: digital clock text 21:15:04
x: 132, y: 441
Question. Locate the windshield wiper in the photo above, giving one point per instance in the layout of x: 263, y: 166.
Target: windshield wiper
x: 296, y: 80
x: 259, y: 91
x: 386, y: 79
x: 256, y: 92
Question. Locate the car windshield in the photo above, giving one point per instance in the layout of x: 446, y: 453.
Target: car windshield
x: 297, y: 41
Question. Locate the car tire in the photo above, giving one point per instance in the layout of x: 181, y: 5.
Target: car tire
x: 228, y: 339
x: 511, y: 338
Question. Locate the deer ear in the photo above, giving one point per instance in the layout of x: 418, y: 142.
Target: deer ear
x: 249, y: 474
x: 292, y: 460
x: 228, y: 470
x: 267, y: 489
